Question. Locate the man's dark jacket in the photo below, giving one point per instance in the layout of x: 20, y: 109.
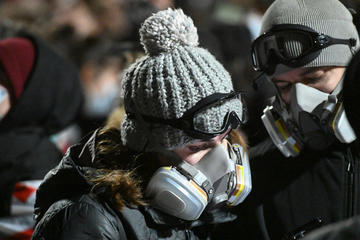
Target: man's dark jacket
x: 292, y: 196
x: 66, y: 208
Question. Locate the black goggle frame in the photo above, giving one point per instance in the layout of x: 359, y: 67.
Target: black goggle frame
x: 318, y: 42
x: 186, y: 124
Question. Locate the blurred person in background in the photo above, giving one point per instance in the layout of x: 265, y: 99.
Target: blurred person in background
x: 305, y: 173
x: 76, y: 26
x: 33, y: 15
x: 172, y: 167
x: 252, y: 14
x: 101, y: 72
x: 40, y: 96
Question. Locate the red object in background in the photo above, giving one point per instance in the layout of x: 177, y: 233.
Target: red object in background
x: 25, y: 235
x: 22, y: 192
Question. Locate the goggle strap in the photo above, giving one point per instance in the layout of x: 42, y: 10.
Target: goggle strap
x: 215, y: 97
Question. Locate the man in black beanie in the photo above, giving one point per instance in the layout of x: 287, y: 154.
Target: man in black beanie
x: 307, y: 173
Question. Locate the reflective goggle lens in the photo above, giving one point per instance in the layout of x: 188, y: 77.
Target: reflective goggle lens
x: 280, y: 46
x: 293, y: 44
x: 219, y: 116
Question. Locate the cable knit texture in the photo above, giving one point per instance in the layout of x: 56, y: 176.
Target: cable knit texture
x: 173, y: 76
x: 330, y: 17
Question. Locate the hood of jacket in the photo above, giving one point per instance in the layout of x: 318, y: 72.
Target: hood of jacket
x: 52, y: 96
x: 68, y: 179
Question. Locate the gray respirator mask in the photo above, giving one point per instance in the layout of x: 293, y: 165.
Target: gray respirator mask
x: 314, y: 119
x: 221, y: 177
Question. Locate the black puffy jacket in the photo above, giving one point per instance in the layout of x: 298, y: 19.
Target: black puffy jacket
x: 66, y: 209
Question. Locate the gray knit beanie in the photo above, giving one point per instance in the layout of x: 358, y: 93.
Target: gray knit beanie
x: 173, y: 76
x: 329, y: 17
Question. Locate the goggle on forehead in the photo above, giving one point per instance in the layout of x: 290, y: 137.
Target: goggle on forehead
x: 291, y: 45
x: 191, y: 122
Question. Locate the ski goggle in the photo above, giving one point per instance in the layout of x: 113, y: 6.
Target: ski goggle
x: 291, y: 45
x: 195, y: 125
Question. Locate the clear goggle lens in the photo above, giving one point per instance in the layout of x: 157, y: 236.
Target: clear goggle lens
x: 231, y: 115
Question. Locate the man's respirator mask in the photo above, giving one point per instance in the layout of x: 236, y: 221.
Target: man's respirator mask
x: 222, y: 176
x: 314, y: 118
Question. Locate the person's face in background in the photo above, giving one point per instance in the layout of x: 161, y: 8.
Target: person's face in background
x: 112, y: 16
x: 101, y: 87
x: 78, y: 16
x: 324, y: 79
x: 193, y: 153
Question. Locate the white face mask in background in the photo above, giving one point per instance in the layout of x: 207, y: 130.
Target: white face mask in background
x: 102, y: 94
x: 4, y: 102
x: 100, y: 103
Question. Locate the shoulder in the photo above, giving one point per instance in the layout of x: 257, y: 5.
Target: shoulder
x: 83, y: 218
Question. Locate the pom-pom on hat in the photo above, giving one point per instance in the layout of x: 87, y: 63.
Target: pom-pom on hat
x: 173, y: 76
x: 329, y: 17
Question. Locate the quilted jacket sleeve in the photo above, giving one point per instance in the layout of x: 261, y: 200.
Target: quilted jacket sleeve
x: 85, y: 218
x: 86, y: 221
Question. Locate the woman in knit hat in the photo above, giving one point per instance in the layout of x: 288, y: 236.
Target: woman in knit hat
x: 172, y: 167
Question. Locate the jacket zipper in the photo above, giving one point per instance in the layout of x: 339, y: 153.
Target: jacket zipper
x: 350, y: 185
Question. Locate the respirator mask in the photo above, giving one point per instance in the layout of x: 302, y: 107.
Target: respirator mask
x: 221, y: 177
x: 314, y: 119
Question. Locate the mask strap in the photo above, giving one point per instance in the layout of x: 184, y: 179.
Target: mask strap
x: 281, y: 104
x: 333, y: 99
x: 352, y: 46
x: 255, y: 82
x: 339, y: 86
x: 197, y: 176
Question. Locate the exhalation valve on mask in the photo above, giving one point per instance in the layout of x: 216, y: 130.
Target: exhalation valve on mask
x: 222, y: 176
x: 314, y: 119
